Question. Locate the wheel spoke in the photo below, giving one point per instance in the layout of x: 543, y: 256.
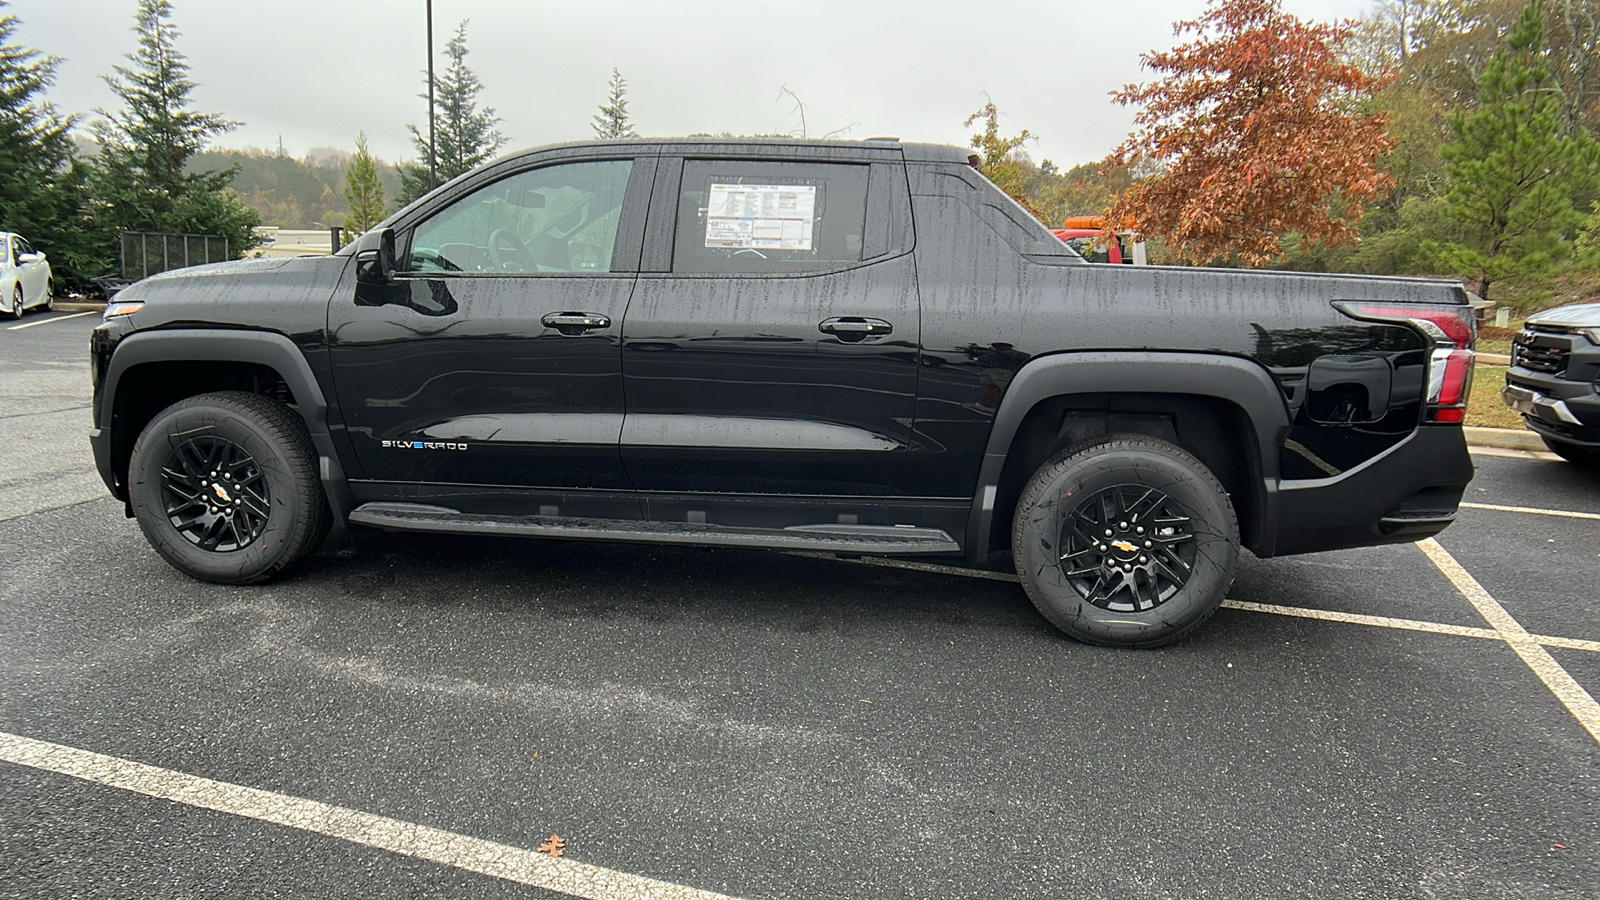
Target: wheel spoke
x: 192, y: 494
x: 1144, y: 504
x: 1127, y: 548
x: 1177, y: 579
x: 187, y: 503
x: 1173, y: 556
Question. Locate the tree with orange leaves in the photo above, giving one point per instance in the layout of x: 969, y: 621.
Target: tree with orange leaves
x: 1257, y: 124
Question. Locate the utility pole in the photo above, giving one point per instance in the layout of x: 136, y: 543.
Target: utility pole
x: 433, y: 155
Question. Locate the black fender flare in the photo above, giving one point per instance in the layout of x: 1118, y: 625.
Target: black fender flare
x: 266, y: 348
x: 1243, y: 382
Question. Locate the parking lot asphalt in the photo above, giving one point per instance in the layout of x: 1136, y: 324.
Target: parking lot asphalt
x: 402, y: 717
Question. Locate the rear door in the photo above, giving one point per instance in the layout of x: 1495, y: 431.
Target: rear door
x: 771, y: 346
x: 34, y: 275
x: 490, y: 369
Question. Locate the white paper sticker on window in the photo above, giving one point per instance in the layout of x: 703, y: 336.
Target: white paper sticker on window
x: 761, y: 216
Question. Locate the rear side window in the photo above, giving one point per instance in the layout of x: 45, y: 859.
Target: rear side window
x: 752, y: 218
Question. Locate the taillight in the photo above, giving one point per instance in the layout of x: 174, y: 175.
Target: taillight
x: 1452, y: 330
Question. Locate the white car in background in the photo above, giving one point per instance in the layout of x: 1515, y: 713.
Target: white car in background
x: 25, y: 280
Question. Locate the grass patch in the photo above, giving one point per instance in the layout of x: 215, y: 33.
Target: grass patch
x: 1484, y: 406
x: 1494, y: 339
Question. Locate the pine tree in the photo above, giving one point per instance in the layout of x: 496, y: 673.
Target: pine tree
x: 466, y: 136
x: 1512, y: 172
x: 141, y: 180
x: 1002, y: 159
x: 362, y: 190
x: 41, y: 184
x: 612, y: 122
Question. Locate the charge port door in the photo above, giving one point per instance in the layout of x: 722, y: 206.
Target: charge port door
x: 1351, y: 389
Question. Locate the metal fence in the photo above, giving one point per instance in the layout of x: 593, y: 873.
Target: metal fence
x: 145, y: 253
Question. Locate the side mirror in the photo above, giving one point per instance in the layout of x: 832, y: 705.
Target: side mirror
x: 26, y: 258
x: 377, y: 265
x: 386, y: 265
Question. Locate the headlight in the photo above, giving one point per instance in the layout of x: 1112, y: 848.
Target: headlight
x: 122, y: 308
x: 1593, y: 334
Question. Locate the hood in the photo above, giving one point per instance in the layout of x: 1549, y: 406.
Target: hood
x: 232, y: 267
x: 1578, y: 315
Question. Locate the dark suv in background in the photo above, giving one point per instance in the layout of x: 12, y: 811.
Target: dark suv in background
x: 1554, y: 380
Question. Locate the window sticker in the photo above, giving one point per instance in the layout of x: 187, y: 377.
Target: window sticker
x: 761, y: 216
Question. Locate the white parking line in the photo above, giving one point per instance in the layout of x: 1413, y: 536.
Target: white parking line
x: 53, y: 319
x: 1242, y: 605
x: 1404, y: 624
x: 1568, y: 691
x: 1359, y: 619
x: 446, y: 848
x: 1532, y: 510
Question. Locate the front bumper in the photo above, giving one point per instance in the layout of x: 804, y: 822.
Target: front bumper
x: 1562, y: 410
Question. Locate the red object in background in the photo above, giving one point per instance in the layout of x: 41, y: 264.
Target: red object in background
x: 1086, y: 241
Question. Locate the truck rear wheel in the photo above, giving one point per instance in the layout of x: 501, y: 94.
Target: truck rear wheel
x: 225, y: 488
x: 1125, y: 541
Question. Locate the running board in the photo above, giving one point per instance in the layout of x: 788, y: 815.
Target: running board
x: 870, y: 539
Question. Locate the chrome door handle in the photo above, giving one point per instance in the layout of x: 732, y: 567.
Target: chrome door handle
x: 854, y: 328
x: 575, y: 322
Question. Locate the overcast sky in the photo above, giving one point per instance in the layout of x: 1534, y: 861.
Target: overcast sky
x: 314, y: 72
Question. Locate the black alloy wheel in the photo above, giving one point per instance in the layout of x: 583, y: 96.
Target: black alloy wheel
x: 225, y: 488
x: 1125, y: 540
x: 1128, y: 548
x: 214, y: 494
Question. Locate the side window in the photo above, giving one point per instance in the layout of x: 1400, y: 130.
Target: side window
x: 1089, y: 248
x: 745, y: 217
x: 561, y: 218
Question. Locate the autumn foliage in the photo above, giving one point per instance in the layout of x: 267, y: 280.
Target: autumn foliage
x: 1256, y: 127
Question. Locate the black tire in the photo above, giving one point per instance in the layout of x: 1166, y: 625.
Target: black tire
x: 1163, y: 569
x: 16, y: 308
x: 245, y: 456
x: 1572, y: 453
x: 50, y: 296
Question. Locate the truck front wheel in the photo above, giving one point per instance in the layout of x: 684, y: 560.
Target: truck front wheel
x: 225, y: 487
x: 1125, y: 541
x: 1583, y: 456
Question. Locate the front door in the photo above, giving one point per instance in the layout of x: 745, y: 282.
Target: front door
x: 490, y: 370
x: 775, y: 350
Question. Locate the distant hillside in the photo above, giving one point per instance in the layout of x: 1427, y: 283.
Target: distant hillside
x: 294, y: 193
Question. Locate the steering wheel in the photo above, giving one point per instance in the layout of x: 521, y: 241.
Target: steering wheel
x: 508, y: 252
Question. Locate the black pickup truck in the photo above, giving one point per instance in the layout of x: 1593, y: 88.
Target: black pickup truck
x: 859, y: 348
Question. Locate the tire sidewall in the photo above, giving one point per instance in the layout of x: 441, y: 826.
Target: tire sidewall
x: 1079, y: 478
x: 199, y: 418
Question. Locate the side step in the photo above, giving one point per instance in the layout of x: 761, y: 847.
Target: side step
x: 872, y: 539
